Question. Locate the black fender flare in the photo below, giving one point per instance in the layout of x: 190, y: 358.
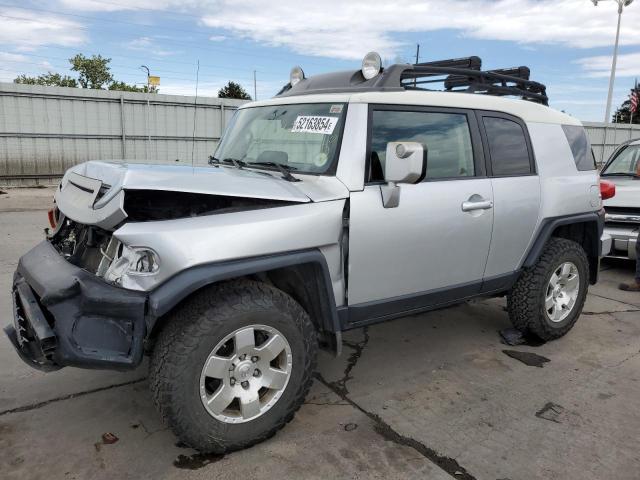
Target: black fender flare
x: 548, y: 226
x: 163, y: 298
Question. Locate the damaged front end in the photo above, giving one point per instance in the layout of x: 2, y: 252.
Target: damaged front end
x: 80, y: 297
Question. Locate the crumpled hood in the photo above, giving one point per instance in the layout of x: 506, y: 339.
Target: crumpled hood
x: 93, y: 192
x: 627, y: 193
x: 183, y: 178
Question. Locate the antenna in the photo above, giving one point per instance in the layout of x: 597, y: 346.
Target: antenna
x: 195, y: 104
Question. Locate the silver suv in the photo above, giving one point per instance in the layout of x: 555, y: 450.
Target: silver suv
x: 348, y: 199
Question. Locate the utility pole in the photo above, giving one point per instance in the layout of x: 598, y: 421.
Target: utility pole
x: 255, y: 89
x: 415, y: 80
x: 612, y: 78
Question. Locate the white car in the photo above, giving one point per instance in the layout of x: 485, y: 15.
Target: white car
x: 622, y: 219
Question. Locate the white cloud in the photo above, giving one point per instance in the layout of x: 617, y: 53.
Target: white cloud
x: 336, y: 28
x: 348, y: 30
x: 600, y: 66
x: 149, y: 44
x: 29, y: 30
x: 118, y: 5
x: 217, y: 38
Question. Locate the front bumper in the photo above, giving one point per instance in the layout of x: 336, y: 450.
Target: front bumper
x: 623, y: 241
x: 66, y: 316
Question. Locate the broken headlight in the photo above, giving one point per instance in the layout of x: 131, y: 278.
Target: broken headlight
x: 131, y: 261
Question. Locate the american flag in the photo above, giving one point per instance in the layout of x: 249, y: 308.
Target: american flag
x: 635, y: 99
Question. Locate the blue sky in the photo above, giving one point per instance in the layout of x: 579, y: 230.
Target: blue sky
x: 566, y: 43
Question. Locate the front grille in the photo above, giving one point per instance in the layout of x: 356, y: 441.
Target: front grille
x: 622, y: 216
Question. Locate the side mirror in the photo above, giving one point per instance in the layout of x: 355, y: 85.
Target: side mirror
x: 406, y: 162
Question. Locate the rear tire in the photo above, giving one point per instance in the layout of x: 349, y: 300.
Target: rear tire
x: 548, y: 298
x: 207, y: 328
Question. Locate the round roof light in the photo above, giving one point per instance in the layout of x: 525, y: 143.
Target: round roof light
x: 371, y: 65
x: 296, y: 75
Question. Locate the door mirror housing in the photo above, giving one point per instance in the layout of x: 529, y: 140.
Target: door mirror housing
x: 406, y: 162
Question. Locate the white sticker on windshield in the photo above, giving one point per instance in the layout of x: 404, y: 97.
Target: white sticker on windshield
x: 313, y: 124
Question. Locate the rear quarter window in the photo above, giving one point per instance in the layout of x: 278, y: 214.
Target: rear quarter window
x: 580, y: 147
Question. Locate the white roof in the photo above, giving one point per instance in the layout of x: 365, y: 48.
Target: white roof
x: 526, y: 110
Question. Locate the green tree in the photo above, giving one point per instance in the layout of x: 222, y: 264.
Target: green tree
x: 49, y: 78
x: 125, y: 87
x: 93, y: 72
x: 233, y: 90
x: 623, y: 113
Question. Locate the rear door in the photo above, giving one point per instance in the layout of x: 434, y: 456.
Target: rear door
x: 516, y: 191
x: 433, y: 247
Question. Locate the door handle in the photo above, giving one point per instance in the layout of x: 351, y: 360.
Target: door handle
x: 471, y: 205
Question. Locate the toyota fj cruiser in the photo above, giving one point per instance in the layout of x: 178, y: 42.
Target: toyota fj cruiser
x: 348, y: 199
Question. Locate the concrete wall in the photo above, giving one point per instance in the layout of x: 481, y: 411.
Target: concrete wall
x: 46, y: 130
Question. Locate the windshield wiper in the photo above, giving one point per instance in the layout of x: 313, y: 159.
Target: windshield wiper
x: 620, y: 174
x: 234, y: 161
x: 285, y: 170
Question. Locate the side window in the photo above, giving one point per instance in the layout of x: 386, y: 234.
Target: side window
x: 507, y: 147
x: 580, y: 147
x: 446, y: 136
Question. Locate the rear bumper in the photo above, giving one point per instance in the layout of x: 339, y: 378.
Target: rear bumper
x: 66, y: 316
x: 623, y: 241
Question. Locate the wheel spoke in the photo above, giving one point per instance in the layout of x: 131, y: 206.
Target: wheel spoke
x: 250, y: 405
x: 272, y: 347
x: 549, y: 302
x: 245, y: 339
x: 554, y: 279
x: 275, y: 379
x: 572, y: 283
x: 221, y: 399
x: 557, y: 313
x: 217, y: 367
x: 566, y: 270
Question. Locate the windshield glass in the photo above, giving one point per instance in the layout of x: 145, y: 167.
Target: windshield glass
x: 627, y: 162
x: 303, y: 137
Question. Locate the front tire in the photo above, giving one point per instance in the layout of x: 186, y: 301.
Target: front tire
x: 233, y: 365
x: 548, y: 298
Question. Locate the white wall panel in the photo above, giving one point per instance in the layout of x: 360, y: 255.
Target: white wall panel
x: 45, y: 130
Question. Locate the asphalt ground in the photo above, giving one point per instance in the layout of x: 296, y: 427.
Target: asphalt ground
x: 431, y: 396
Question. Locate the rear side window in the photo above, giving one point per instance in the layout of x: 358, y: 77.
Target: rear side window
x: 580, y: 147
x: 507, y: 146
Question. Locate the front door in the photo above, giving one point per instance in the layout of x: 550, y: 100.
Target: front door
x: 432, y: 248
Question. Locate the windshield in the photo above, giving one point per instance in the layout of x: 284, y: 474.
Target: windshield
x: 301, y: 137
x: 627, y: 162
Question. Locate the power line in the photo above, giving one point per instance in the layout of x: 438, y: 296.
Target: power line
x: 120, y: 65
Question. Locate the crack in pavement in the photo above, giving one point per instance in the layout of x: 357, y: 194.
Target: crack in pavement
x: 358, y: 348
x: 447, y: 464
x: 611, y: 312
x: 613, y: 300
x: 339, y: 387
x: 33, y: 406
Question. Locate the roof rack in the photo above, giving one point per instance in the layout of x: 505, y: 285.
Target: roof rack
x: 453, y: 75
x: 465, y: 75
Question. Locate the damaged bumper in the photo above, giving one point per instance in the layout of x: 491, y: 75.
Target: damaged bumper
x: 66, y: 316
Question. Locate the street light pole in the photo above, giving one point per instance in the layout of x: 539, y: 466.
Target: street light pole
x: 144, y: 67
x: 612, y: 78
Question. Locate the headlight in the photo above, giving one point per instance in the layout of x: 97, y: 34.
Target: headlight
x: 132, y: 261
